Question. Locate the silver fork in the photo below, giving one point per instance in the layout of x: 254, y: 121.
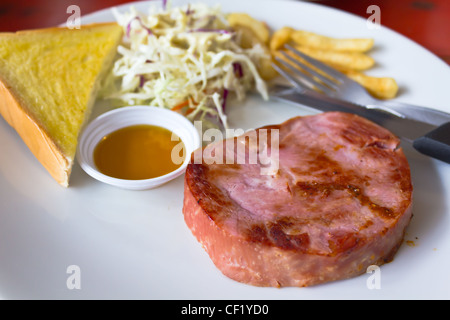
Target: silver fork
x: 344, y: 88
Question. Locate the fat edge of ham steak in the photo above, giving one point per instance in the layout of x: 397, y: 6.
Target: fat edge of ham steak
x: 339, y: 202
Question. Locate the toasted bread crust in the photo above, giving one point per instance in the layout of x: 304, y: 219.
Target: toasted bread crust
x: 34, y: 136
x: 17, y: 112
x: 56, y: 29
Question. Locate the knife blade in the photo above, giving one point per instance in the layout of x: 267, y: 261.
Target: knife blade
x: 426, y: 138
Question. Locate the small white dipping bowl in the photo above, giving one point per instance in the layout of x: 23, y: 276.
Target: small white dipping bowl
x: 129, y: 116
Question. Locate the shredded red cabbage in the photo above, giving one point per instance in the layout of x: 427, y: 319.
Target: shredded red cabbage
x: 140, y: 21
x: 238, y: 71
x: 188, y: 10
x: 141, y: 81
x: 224, y: 99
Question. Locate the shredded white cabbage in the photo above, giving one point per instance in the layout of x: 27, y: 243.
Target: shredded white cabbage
x: 182, y: 58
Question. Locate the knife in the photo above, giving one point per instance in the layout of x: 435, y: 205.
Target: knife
x: 428, y: 139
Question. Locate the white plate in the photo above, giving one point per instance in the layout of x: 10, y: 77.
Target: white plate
x: 134, y: 244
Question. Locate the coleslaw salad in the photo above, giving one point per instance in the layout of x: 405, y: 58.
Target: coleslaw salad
x: 186, y: 59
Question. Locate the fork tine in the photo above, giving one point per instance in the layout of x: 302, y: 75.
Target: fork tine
x: 304, y: 77
x: 322, y: 78
x: 295, y: 82
x: 319, y: 65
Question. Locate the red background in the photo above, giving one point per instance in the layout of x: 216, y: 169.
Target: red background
x: 425, y: 21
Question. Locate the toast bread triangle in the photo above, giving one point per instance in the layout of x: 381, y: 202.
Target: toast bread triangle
x: 49, y: 79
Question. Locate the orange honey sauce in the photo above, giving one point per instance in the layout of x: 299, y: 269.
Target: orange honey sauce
x: 139, y: 152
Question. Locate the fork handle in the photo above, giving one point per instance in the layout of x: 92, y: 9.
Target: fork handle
x: 436, y: 143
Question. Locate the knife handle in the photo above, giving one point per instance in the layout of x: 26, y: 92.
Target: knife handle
x: 436, y: 143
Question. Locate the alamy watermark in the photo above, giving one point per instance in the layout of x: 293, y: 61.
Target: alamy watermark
x: 374, y: 20
x: 374, y: 280
x: 259, y: 147
x: 74, y: 21
x: 74, y: 280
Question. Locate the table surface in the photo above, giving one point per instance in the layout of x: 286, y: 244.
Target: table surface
x: 427, y: 22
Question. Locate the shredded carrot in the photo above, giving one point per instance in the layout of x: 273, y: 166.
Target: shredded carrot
x: 185, y: 104
x: 181, y: 105
x: 189, y: 111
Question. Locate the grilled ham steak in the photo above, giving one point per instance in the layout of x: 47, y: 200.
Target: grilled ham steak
x: 339, y: 202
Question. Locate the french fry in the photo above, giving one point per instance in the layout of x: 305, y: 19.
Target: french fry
x: 280, y: 38
x: 259, y: 28
x: 346, y: 55
x: 278, y: 54
x: 266, y: 70
x: 248, y: 39
x: 246, y: 36
x: 379, y: 87
x: 313, y: 40
x: 342, y: 60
